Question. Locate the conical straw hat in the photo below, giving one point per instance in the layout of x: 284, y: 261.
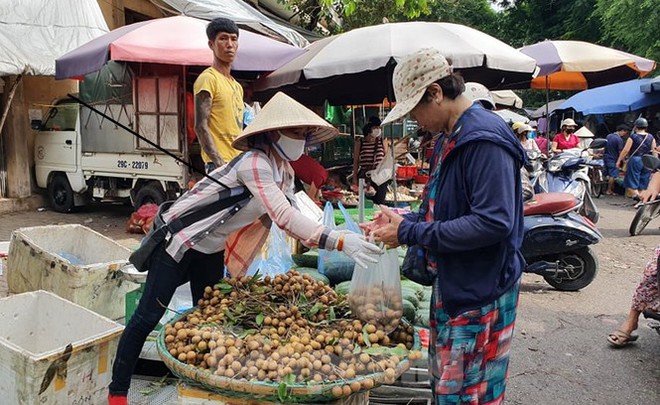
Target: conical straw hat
x: 283, y: 112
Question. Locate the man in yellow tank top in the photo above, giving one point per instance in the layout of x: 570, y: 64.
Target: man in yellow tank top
x: 218, y: 97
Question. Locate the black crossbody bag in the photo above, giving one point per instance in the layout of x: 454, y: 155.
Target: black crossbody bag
x: 141, y: 258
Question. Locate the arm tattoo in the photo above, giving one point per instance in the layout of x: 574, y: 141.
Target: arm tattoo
x: 203, y: 103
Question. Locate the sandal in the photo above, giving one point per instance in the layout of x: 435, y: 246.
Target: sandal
x: 619, y: 338
x: 610, y: 193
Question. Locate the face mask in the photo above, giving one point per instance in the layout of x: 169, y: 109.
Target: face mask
x: 569, y: 130
x: 288, y: 148
x: 376, y: 132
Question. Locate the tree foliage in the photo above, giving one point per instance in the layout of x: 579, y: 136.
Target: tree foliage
x: 631, y: 25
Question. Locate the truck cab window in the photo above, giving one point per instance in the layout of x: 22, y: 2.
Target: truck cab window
x: 62, y: 118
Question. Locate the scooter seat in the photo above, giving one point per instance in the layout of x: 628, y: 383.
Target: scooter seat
x: 549, y: 204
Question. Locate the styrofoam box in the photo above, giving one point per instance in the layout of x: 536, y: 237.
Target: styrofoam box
x: 40, y: 260
x: 53, y: 351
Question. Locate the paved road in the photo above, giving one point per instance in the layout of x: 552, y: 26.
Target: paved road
x: 560, y: 355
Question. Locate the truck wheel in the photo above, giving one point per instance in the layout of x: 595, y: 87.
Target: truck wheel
x: 60, y: 193
x: 151, y: 192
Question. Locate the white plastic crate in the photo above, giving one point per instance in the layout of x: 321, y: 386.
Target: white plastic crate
x: 72, y: 261
x: 4, y: 249
x: 53, y: 351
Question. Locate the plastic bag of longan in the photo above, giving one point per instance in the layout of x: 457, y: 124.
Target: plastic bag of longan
x: 375, y: 293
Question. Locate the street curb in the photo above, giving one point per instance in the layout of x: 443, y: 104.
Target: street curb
x: 8, y: 205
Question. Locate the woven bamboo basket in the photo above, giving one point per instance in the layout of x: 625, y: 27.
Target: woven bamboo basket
x: 235, y: 388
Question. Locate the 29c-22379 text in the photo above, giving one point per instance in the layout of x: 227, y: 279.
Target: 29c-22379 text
x: 136, y: 164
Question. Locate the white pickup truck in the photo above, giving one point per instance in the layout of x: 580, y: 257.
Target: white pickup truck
x: 81, y: 156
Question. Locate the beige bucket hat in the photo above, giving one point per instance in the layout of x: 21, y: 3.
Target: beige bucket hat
x: 411, y: 78
x: 283, y: 112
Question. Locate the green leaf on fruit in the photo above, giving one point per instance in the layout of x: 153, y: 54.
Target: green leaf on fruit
x: 365, y: 336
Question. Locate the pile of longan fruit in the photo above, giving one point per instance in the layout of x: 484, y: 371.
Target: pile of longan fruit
x: 287, y: 343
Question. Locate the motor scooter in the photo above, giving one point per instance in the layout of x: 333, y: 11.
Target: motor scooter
x: 557, y: 240
x: 534, y: 166
x: 646, y: 211
x: 567, y: 172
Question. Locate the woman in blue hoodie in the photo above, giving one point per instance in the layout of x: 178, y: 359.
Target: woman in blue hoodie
x: 470, y: 227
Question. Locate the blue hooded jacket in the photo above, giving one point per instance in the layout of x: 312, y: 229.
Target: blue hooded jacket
x: 478, y: 227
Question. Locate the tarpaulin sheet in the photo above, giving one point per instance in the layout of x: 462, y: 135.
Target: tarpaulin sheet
x: 240, y: 12
x: 34, y: 33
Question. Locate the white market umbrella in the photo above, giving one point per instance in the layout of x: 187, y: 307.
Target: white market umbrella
x: 507, y: 98
x: 511, y: 117
x: 356, y: 67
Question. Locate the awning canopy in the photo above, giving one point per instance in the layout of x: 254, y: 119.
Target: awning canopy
x: 240, y: 12
x: 34, y: 33
x: 651, y: 86
x: 615, y: 98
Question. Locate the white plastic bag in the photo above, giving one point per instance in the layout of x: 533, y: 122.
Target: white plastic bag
x: 333, y: 264
x: 384, y: 171
x: 375, y: 294
x: 274, y: 260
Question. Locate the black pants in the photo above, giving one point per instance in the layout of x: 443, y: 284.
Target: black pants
x: 162, y: 280
x: 381, y: 192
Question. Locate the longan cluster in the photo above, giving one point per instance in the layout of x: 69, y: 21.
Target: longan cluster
x: 286, y: 338
x: 382, y: 307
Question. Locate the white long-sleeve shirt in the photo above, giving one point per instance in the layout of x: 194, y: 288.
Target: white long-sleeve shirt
x: 271, y: 186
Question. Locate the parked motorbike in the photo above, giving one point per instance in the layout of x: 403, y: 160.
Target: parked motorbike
x: 567, y: 172
x: 534, y: 166
x: 557, y: 242
x: 597, y: 177
x: 646, y: 212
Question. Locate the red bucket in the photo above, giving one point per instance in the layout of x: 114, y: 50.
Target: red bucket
x: 421, y: 179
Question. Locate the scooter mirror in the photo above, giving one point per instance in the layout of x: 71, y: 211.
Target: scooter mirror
x: 598, y: 143
x: 651, y: 162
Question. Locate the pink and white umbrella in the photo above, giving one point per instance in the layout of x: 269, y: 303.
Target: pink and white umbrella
x: 176, y: 40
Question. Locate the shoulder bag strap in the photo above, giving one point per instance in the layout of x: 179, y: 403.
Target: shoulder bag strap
x: 640, y: 145
x: 224, y: 201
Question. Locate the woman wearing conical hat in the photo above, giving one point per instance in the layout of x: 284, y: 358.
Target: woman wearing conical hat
x: 258, y: 188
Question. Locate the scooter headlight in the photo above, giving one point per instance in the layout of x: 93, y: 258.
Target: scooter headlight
x: 554, y: 165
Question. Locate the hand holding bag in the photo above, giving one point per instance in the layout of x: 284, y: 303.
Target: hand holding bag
x: 332, y: 263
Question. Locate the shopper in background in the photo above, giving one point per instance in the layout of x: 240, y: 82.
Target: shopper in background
x: 566, y: 139
x: 638, y: 144
x: 612, y: 151
x: 369, y: 152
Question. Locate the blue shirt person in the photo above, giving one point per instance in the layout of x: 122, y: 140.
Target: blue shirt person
x: 614, y: 147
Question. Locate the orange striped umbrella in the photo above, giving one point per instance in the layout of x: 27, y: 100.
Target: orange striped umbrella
x: 577, y: 65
